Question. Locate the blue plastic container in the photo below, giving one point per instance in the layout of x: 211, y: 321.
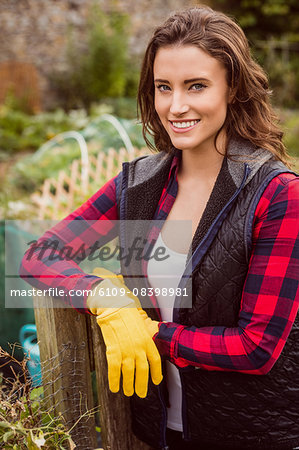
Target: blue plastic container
x: 28, y: 339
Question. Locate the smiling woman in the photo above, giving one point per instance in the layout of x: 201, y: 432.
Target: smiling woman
x: 225, y: 299
x: 191, y: 97
x: 220, y: 40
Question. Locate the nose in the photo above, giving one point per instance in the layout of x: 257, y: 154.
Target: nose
x: 179, y: 104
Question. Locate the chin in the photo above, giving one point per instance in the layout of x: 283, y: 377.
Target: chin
x: 180, y: 144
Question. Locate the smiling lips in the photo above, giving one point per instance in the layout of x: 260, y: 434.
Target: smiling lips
x: 183, y: 126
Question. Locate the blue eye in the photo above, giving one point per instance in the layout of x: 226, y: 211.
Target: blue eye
x: 162, y: 87
x: 198, y: 86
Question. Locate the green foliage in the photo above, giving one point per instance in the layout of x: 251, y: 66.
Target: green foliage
x: 25, y: 423
x: 106, y: 61
x: 125, y: 107
x: 23, y: 132
x: 282, y: 68
x: 262, y: 19
x: 284, y: 79
x: 290, y: 124
x: 20, y: 103
x: 104, y: 68
x: 31, y: 171
x: 272, y: 29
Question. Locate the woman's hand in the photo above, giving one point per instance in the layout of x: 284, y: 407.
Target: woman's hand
x: 152, y: 326
x: 130, y: 349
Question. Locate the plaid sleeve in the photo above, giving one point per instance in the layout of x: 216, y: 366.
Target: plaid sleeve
x: 270, y: 296
x: 81, y: 233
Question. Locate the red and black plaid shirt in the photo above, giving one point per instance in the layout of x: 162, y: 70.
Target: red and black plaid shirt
x: 270, y: 294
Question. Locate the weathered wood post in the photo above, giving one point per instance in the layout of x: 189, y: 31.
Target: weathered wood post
x: 64, y: 351
x: 71, y: 346
x: 114, y: 408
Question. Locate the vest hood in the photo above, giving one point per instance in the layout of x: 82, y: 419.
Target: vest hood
x: 239, y: 152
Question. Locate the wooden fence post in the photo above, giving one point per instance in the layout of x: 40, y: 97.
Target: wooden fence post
x: 70, y: 343
x: 114, y: 408
x: 63, y: 342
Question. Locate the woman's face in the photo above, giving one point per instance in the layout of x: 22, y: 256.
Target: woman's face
x: 191, y: 96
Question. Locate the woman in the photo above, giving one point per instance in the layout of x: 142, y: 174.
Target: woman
x: 221, y: 167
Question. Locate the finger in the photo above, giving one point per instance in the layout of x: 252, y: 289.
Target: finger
x: 113, y: 356
x: 141, y: 375
x: 154, y: 360
x: 114, y: 369
x: 126, y: 346
x: 128, y: 372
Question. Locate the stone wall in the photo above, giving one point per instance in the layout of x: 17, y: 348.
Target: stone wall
x: 36, y: 31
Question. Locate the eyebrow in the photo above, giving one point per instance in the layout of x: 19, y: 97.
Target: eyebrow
x: 159, y: 80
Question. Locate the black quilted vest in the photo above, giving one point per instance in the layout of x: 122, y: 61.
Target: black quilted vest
x: 238, y: 411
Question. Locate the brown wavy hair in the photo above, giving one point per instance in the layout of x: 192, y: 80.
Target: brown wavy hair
x: 250, y: 114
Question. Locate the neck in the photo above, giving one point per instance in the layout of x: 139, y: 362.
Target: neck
x: 204, y: 162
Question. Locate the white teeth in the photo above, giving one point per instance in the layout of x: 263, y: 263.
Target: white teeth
x: 184, y: 124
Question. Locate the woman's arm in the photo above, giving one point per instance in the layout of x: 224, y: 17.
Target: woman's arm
x: 269, y: 301
x: 45, y: 263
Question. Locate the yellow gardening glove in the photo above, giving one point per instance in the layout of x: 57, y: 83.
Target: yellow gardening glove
x: 152, y: 326
x: 130, y: 350
x: 129, y: 347
x: 116, y: 279
x: 98, y: 300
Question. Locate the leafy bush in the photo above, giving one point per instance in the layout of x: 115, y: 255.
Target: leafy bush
x: 102, y: 69
x: 20, y: 131
x: 23, y: 132
x: 272, y: 29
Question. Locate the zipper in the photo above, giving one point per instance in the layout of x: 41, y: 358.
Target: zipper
x: 200, y: 251
x: 186, y: 434
x: 164, y: 421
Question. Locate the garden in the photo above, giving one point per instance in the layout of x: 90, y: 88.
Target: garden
x: 43, y: 157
